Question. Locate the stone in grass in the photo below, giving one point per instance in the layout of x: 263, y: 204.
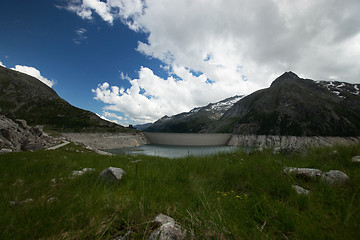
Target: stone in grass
x: 81, y: 172
x: 169, y: 230
x: 356, y: 159
x: 112, y: 174
x: 308, y: 173
x: 301, y: 191
x: 335, y: 177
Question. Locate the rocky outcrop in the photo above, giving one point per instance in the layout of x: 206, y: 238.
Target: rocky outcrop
x: 108, y: 140
x: 18, y: 136
x: 289, y: 143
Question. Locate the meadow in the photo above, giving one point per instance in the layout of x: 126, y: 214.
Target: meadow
x: 225, y: 196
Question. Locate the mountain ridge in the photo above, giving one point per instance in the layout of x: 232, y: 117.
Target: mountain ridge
x: 25, y: 97
x: 291, y: 106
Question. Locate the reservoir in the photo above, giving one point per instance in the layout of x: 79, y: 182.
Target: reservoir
x: 175, y: 151
x: 177, y: 145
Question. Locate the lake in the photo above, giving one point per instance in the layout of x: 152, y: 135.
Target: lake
x: 171, y: 151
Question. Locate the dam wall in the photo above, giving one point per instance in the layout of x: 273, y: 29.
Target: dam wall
x: 108, y: 140
x: 188, y: 139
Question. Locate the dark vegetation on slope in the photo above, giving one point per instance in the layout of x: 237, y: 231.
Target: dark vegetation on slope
x: 25, y: 97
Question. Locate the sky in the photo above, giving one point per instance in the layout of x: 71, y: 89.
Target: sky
x: 134, y: 61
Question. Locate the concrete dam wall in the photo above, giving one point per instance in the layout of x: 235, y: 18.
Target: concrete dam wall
x: 188, y: 139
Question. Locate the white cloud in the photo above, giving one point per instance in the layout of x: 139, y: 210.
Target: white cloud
x: 228, y: 41
x: 35, y: 73
x: 80, y: 36
x: 125, y: 10
x: 1, y: 64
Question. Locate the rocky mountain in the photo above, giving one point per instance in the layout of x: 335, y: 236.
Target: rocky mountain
x: 25, y: 97
x: 291, y: 106
x: 195, y: 120
x: 297, y: 107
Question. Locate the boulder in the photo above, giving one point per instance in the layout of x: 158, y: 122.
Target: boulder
x: 308, y: 173
x: 112, y: 174
x: 331, y: 177
x: 81, y: 172
x: 355, y: 159
x: 301, y: 191
x: 18, y: 136
x: 335, y: 177
x: 169, y: 230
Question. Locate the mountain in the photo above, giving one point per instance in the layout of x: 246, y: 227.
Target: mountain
x: 25, y: 97
x: 195, y: 120
x: 291, y: 106
x: 295, y: 106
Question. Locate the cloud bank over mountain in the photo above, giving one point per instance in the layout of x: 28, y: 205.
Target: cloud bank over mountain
x: 216, y: 49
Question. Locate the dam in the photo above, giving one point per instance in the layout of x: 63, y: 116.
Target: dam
x: 188, y: 139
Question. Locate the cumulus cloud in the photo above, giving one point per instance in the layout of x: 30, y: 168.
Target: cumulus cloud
x: 215, y: 49
x: 35, y: 73
x: 125, y: 10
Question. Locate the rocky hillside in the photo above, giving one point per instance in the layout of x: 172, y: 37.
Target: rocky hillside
x: 17, y: 136
x: 195, y: 120
x: 25, y: 97
x: 295, y: 106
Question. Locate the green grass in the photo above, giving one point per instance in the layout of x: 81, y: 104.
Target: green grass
x: 226, y: 196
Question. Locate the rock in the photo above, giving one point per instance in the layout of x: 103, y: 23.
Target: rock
x: 308, y: 173
x: 27, y: 201
x: 5, y: 150
x: 355, y: 159
x: 125, y: 237
x: 331, y: 177
x: 22, y: 123
x: 18, y: 136
x: 335, y: 177
x: 300, y: 190
x: 162, y: 219
x: 112, y: 173
x: 81, y: 172
x: 169, y: 230
x: 52, y: 199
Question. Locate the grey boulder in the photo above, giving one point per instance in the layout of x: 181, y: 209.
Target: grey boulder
x: 309, y: 173
x: 169, y: 230
x: 355, y: 159
x: 301, y: 191
x: 112, y: 174
x: 335, y: 177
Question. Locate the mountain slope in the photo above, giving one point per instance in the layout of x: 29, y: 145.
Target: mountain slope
x: 295, y: 106
x: 25, y: 97
x: 195, y: 120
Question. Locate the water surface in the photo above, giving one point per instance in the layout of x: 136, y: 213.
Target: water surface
x: 170, y: 151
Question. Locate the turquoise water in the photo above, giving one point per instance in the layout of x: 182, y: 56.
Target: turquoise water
x: 170, y: 151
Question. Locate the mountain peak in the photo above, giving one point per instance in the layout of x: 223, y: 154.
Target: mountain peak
x: 285, y: 77
x: 288, y: 75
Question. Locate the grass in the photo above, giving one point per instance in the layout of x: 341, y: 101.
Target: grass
x: 226, y: 196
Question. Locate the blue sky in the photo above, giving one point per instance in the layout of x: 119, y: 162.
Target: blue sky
x: 134, y: 61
